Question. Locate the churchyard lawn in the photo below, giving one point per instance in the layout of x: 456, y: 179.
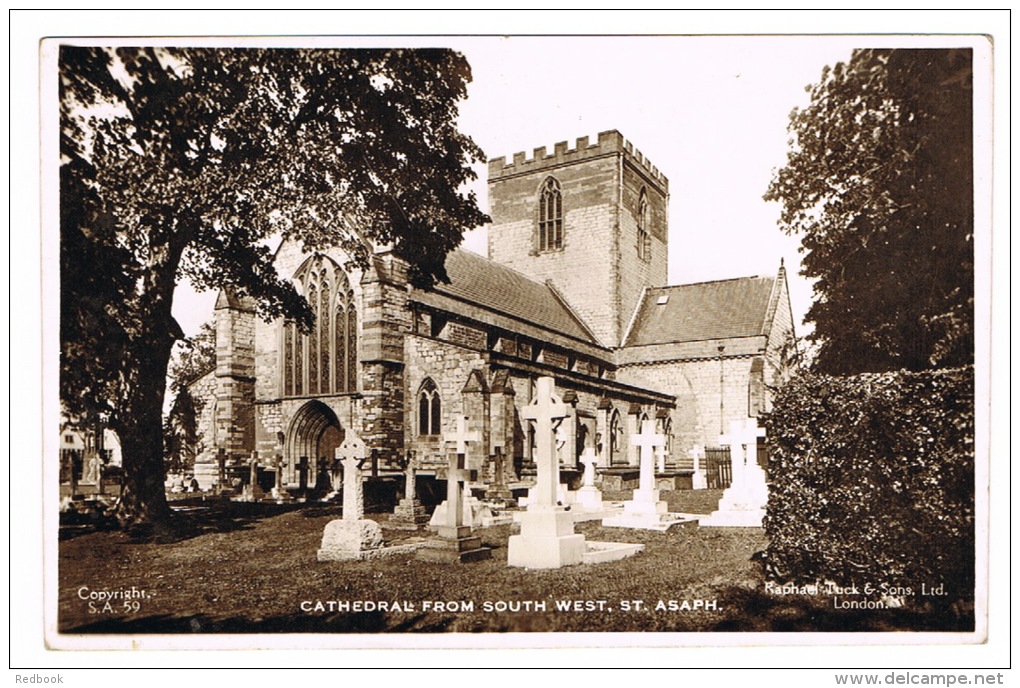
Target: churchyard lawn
x: 252, y: 568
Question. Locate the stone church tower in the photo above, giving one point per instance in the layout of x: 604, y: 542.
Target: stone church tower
x: 590, y: 219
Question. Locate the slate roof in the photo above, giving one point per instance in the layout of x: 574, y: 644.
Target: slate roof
x: 698, y: 312
x: 480, y: 281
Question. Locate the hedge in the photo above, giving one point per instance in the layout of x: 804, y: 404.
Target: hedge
x: 872, y: 481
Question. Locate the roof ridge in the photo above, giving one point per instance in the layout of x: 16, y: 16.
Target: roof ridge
x: 715, y: 281
x: 570, y: 309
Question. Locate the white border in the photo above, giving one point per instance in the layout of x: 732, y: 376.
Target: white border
x: 24, y: 601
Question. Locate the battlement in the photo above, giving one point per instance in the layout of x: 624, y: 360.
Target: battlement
x: 608, y: 142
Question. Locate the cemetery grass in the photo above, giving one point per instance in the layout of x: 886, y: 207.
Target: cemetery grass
x: 244, y: 568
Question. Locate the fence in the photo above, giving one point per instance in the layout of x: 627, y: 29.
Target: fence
x: 719, y: 465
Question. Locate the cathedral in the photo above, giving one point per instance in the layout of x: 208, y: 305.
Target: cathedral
x: 573, y: 287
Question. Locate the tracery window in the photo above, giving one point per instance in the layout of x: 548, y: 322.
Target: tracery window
x: 644, y: 236
x: 324, y: 360
x: 430, y: 410
x: 550, y: 216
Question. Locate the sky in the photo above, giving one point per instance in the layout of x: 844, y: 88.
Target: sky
x: 710, y: 112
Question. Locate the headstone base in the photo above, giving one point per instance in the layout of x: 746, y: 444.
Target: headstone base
x: 649, y: 521
x: 409, y: 513
x: 454, y: 544
x: 699, y: 481
x: 751, y: 518
x: 589, y: 499
x: 742, y: 505
x: 473, y: 512
x: 345, y: 540
x: 547, y: 540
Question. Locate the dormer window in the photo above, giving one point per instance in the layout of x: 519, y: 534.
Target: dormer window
x: 550, y: 216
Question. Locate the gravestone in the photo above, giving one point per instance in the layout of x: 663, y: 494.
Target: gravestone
x: 353, y: 536
x: 279, y: 493
x: 221, y: 469
x: 743, y: 503
x: 302, y: 468
x: 644, y: 509
x: 498, y: 489
x: 409, y: 511
x: 660, y: 458
x: 699, y: 481
x: 453, y: 540
x: 589, y: 497
x: 547, y: 539
x: 252, y: 491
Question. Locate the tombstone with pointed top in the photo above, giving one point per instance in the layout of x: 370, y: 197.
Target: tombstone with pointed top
x: 743, y: 503
x: 547, y: 539
x: 454, y: 540
x: 353, y: 536
x: 589, y: 497
x: 699, y: 479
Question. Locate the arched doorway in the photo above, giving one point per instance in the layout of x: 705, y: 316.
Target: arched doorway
x: 314, y: 433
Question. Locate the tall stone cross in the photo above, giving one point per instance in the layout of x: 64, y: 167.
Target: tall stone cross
x: 646, y: 442
x: 278, y: 466
x: 352, y: 452
x: 456, y: 472
x: 410, y: 476
x: 590, y: 460
x: 253, y: 465
x: 547, y: 410
x: 302, y: 468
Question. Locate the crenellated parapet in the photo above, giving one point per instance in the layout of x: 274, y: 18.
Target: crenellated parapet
x: 609, y: 143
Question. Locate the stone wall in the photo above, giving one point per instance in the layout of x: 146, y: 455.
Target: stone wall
x: 709, y: 394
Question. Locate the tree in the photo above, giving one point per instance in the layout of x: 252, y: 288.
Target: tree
x: 180, y: 163
x: 879, y: 184
x: 191, y: 358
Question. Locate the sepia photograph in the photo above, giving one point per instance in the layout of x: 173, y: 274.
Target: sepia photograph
x: 515, y: 341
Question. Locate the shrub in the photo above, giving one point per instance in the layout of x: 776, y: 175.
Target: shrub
x: 872, y: 481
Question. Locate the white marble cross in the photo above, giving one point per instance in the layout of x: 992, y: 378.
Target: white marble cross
x: 456, y: 473
x: 352, y: 452
x: 545, y: 410
x: 660, y: 457
x: 590, y: 460
x: 697, y: 453
x: 646, y: 442
x: 743, y: 444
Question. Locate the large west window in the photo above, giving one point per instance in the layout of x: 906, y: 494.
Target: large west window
x: 550, y: 216
x: 324, y: 360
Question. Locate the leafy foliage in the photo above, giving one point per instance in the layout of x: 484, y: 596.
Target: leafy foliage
x: 192, y: 357
x: 181, y: 163
x: 879, y: 184
x: 872, y: 480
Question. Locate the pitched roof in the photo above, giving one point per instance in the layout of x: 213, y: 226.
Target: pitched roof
x: 488, y: 284
x: 698, y: 312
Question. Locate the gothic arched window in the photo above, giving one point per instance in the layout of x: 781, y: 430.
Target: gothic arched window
x: 550, y: 216
x: 430, y: 409
x: 615, y: 438
x: 324, y: 360
x: 644, y: 237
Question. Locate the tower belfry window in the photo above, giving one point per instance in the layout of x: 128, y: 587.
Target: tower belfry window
x: 550, y: 216
x: 644, y: 237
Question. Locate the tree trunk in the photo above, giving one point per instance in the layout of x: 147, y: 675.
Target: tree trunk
x: 139, y: 416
